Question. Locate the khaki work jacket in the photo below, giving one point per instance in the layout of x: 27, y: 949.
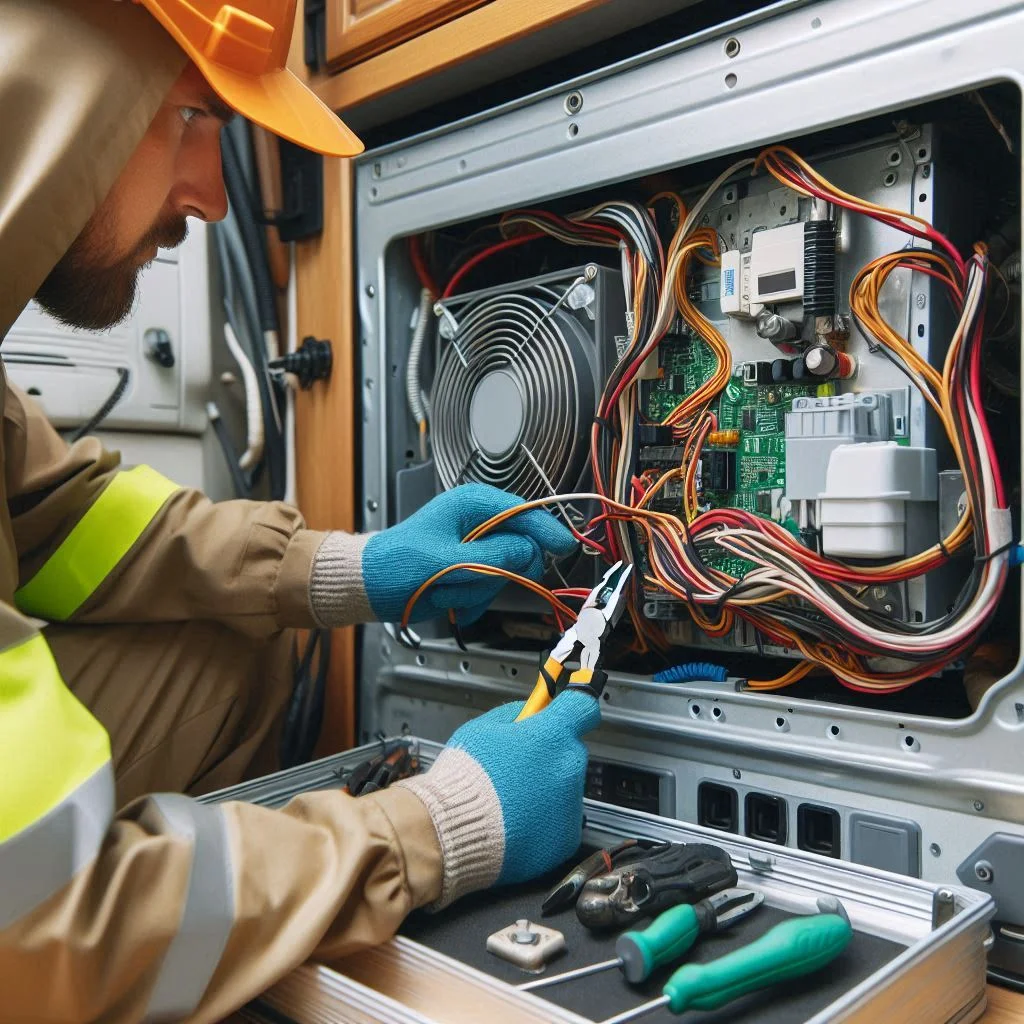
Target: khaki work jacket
x: 165, y: 909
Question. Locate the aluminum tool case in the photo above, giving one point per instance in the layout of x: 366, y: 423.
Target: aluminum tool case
x: 918, y: 952
x: 905, y: 786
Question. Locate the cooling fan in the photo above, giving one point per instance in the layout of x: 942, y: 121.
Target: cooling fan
x: 518, y: 374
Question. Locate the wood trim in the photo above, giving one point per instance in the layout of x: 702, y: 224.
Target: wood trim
x: 357, y: 29
x: 325, y: 419
x: 478, y: 32
x: 266, y: 153
x: 1004, y: 1006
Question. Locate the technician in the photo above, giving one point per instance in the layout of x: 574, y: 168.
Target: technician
x: 143, y: 630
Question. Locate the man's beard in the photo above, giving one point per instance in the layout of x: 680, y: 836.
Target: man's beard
x: 85, y: 289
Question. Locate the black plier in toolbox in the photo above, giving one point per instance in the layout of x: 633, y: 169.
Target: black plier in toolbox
x: 652, y: 883
x: 397, y: 760
x: 597, y: 618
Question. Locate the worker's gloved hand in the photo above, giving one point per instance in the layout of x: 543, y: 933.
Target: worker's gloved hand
x: 399, y: 560
x: 506, y: 797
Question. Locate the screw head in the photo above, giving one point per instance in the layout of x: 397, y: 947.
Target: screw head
x: 983, y: 871
x: 370, y: 290
x: 372, y: 504
x: 935, y: 849
x: 574, y: 102
x: 945, y: 896
x: 920, y: 300
x: 523, y: 936
x: 978, y: 805
x: 735, y: 773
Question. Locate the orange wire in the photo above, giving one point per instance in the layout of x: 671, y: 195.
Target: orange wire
x: 560, y: 608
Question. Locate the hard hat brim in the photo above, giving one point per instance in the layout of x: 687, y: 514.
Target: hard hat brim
x: 276, y: 100
x: 282, y: 104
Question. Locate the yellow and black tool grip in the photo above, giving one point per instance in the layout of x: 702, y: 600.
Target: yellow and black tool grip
x: 590, y: 680
x: 545, y: 689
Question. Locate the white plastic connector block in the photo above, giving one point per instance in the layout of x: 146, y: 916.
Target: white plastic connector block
x: 863, y: 510
x: 777, y: 264
x: 734, y: 291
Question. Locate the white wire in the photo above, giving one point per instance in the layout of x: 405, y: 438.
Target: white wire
x: 413, y: 394
x: 253, y: 415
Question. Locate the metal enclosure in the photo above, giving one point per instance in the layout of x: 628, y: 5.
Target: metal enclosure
x: 71, y: 372
x: 939, y: 788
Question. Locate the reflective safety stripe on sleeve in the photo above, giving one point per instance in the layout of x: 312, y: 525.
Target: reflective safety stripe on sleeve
x: 209, y: 913
x: 57, y: 789
x: 43, y: 858
x: 98, y: 541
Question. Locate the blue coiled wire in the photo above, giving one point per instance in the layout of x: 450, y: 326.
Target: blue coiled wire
x: 691, y: 672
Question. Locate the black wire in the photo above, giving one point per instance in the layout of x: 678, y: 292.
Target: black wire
x: 305, y: 712
x: 220, y: 431
x: 115, y: 396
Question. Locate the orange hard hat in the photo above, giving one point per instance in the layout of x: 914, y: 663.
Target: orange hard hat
x: 242, y: 49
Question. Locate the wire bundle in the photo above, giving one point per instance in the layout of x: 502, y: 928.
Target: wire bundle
x: 814, y: 606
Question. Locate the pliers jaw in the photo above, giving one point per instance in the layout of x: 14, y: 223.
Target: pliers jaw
x: 598, y: 616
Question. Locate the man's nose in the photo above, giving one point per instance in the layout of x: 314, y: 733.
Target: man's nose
x: 200, y: 185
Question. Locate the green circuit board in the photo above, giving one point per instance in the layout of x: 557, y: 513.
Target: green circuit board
x: 758, y: 412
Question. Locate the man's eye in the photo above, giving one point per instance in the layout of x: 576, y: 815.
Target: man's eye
x: 188, y: 114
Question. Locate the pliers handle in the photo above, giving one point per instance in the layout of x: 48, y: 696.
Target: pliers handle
x: 597, y: 618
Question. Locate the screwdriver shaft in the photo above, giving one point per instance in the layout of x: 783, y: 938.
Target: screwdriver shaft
x: 579, y: 972
x: 640, y: 1011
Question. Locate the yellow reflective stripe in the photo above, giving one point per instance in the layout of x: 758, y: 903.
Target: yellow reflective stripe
x: 99, y: 540
x: 49, y: 743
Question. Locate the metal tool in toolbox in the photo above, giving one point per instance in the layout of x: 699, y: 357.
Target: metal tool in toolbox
x: 790, y: 950
x: 673, y: 874
x: 396, y: 760
x: 598, y: 616
x: 669, y: 937
x: 567, y: 891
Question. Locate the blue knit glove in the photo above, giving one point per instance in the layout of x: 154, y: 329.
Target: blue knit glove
x: 506, y: 797
x: 399, y: 560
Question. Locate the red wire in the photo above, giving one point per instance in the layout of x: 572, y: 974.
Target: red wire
x: 466, y: 267
x: 923, y: 232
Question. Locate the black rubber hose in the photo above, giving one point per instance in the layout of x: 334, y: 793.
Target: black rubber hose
x: 255, y: 243
x: 241, y: 202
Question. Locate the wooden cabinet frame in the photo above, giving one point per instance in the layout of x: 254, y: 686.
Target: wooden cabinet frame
x: 357, y: 29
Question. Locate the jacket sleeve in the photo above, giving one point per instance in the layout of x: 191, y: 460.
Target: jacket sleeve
x: 100, y: 543
x: 172, y: 909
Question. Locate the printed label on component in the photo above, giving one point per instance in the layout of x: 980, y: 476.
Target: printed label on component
x: 728, y: 282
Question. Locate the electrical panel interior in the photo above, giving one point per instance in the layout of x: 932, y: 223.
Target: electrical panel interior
x: 790, y: 374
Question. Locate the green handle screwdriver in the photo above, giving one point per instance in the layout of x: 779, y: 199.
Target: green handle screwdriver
x: 669, y: 936
x: 790, y: 950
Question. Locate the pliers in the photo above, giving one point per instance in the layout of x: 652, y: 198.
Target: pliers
x: 568, y: 889
x: 597, y: 618
x: 397, y: 760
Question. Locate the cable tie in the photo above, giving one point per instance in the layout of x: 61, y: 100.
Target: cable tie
x: 1015, y: 549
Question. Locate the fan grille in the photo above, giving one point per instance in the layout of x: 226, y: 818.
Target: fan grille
x: 514, y: 396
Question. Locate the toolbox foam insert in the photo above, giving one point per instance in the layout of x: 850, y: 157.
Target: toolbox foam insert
x: 461, y: 931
